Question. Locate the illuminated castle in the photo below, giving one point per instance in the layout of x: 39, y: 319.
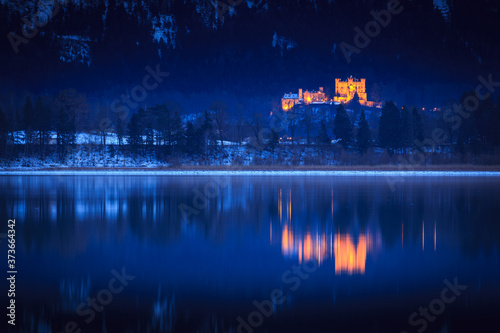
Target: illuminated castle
x: 344, y: 93
x: 289, y: 100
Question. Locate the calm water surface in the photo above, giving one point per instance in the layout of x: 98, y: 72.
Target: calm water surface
x: 345, y: 254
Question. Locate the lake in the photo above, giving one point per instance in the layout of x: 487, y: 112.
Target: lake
x: 253, y: 253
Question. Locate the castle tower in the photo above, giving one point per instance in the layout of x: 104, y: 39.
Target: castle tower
x: 345, y: 90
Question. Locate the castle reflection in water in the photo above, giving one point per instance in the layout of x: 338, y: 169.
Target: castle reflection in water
x: 348, y: 250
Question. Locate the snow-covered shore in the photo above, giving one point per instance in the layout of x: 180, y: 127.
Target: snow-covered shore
x: 237, y: 172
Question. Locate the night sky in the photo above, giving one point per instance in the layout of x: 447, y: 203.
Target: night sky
x: 249, y: 53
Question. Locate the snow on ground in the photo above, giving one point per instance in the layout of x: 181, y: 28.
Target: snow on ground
x: 86, y: 138
x: 81, y: 138
x: 83, y: 158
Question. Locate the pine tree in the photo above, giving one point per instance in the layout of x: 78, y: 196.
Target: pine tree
x: 75, y: 105
x: 354, y: 104
x: 323, y: 137
x: 417, y: 127
x: 484, y: 119
x: 162, y: 124
x: 72, y: 111
x: 66, y: 132
x: 207, y: 123
x: 28, y: 116
x: 273, y: 142
x: 134, y: 133
x: 363, y: 135
x: 177, y: 131
x: 468, y: 136
x: 102, y: 123
x: 18, y: 127
x: 307, y: 121
x: 120, y: 130
x: 220, y: 117
x: 147, y: 125
x: 494, y: 124
x: 192, y: 140
x: 342, y: 127
x: 43, y: 124
x: 206, y: 134
x: 406, y: 129
x: 292, y: 120
x: 37, y: 115
x: 389, y: 130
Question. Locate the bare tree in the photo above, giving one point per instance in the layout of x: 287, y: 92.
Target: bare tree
x: 239, y: 124
x: 219, y: 110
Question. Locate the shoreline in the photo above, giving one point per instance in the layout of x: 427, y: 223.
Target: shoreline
x: 382, y: 170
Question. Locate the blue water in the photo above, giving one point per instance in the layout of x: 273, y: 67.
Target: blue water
x: 261, y: 254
